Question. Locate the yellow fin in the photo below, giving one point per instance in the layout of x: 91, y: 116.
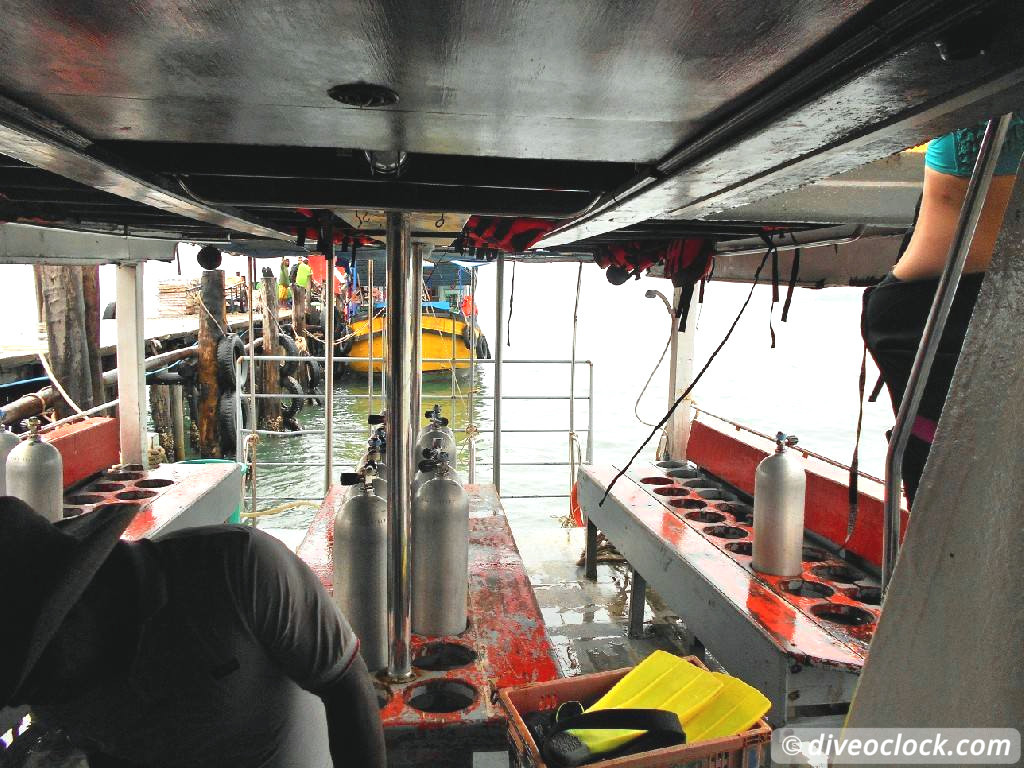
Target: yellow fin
x: 734, y: 709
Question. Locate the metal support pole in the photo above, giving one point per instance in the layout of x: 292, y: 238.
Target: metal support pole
x: 402, y: 366
x: 974, y: 202
x: 370, y: 310
x: 590, y: 552
x: 637, y: 603
x: 327, y: 249
x: 251, y: 439
x: 499, y: 360
x: 590, y: 415
x: 131, y: 364
x: 470, y: 416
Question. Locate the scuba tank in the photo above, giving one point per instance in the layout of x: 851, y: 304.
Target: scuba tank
x: 35, y: 474
x: 8, y: 442
x: 440, y: 551
x: 360, y: 565
x: 437, y: 429
x: 780, y: 486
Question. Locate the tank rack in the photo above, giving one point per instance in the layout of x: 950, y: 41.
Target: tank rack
x: 456, y: 677
x: 802, y: 641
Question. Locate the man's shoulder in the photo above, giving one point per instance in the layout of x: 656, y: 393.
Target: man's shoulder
x: 224, y: 542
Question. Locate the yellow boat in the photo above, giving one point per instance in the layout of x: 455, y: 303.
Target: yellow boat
x: 444, y: 336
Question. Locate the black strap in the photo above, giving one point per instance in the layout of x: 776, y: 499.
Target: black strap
x: 700, y: 297
x: 877, y: 389
x: 775, y: 291
x: 511, y: 298
x: 854, y: 495
x: 662, y: 727
x: 794, y: 274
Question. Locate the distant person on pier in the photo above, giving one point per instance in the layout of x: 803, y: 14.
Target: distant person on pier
x: 208, y: 647
x: 283, y: 282
x: 895, y: 310
x: 302, y: 281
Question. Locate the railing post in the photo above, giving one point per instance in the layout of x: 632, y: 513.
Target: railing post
x: 590, y: 415
x: 131, y: 364
x: 326, y: 247
x: 499, y: 359
x: 470, y: 417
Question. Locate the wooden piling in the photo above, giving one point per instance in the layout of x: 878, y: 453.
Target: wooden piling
x: 93, y: 310
x: 160, y: 413
x: 212, y: 321
x: 178, y: 421
x: 269, y: 371
x: 68, y: 351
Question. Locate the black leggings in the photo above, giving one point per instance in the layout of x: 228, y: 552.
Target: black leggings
x: 892, y: 324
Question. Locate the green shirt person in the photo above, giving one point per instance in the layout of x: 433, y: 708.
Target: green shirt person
x: 304, y: 274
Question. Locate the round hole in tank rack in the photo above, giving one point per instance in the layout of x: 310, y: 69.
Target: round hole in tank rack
x: 814, y: 555
x: 136, y: 495
x: 714, y: 494
x: 743, y: 513
x: 72, y: 511
x: 155, y: 482
x: 740, y: 548
x: 441, y: 656
x: 671, y: 491
x: 705, y: 516
x: 868, y: 595
x: 688, y: 503
x: 670, y: 464
x: 684, y: 472
x: 656, y: 480
x: 726, y: 532
x: 124, y: 476
x: 841, y: 573
x: 848, y: 615
x: 107, y: 487
x: 439, y: 696
x: 696, y: 481
x: 84, y: 498
x: 128, y: 468
x: 805, y: 588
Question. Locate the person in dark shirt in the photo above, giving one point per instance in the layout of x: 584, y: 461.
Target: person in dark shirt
x: 212, y: 646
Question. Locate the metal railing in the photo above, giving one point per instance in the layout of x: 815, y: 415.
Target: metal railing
x: 458, y: 394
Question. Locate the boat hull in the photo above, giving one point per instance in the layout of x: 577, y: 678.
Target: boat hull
x: 442, y: 339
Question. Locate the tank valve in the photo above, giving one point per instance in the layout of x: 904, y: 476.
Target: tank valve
x: 783, y: 441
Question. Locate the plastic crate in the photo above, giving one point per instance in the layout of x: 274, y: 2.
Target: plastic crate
x: 749, y: 749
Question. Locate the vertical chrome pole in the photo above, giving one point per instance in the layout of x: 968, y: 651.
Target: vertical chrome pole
x: 402, y: 367
x: 250, y: 444
x: 499, y: 359
x: 327, y: 248
x: 590, y: 415
x: 471, y: 417
x: 974, y: 202
x: 370, y: 309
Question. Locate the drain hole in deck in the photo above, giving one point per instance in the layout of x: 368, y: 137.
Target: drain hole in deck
x: 688, y: 503
x: 740, y: 548
x: 671, y: 491
x: 84, y: 498
x: 136, y: 495
x: 156, y: 482
x: 803, y: 588
x: 656, y: 480
x: 437, y: 657
x: 814, y: 555
x: 705, y: 516
x: 726, y: 531
x: 107, y: 487
x: 868, y: 595
x: 124, y: 475
x: 441, y: 696
x: 838, y: 573
x: 685, y: 472
x: 670, y: 464
x: 743, y: 513
x: 843, y: 614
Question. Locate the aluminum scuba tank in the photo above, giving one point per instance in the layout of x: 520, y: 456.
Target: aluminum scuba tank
x: 360, y: 567
x: 437, y: 429
x: 8, y: 442
x: 35, y: 474
x: 440, y: 551
x: 780, y: 486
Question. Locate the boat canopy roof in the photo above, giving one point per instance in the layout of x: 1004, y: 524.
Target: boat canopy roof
x: 611, y: 122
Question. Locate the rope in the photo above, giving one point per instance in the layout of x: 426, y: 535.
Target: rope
x: 210, y: 315
x: 57, y: 384
x: 696, y: 379
x: 278, y: 509
x: 636, y: 405
x: 511, y: 298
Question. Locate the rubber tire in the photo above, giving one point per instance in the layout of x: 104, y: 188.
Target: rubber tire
x: 290, y: 408
x: 467, y: 337
x: 229, y: 349
x: 288, y: 367
x: 483, y: 349
x: 110, y: 311
x: 316, y: 381
x: 226, y: 422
